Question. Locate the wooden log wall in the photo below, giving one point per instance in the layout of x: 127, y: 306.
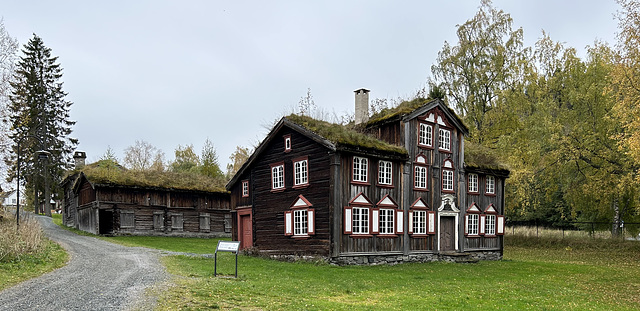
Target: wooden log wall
x: 268, y: 211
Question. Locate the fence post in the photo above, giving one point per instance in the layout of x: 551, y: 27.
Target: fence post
x: 537, y: 236
x: 593, y: 232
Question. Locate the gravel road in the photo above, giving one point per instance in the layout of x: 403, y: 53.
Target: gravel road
x: 99, y: 276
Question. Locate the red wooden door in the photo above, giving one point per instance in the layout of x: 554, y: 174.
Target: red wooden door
x: 246, y: 232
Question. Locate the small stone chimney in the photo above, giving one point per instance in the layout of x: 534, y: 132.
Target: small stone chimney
x: 362, y: 106
x: 79, y: 157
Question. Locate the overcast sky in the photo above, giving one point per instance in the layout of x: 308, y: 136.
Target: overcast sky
x: 178, y: 72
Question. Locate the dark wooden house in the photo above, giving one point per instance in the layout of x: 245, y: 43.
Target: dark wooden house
x: 101, y: 205
x: 394, y: 188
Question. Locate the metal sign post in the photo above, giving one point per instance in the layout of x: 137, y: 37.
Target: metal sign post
x: 226, y: 246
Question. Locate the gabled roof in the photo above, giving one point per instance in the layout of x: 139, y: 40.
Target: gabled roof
x: 408, y: 110
x: 334, y: 137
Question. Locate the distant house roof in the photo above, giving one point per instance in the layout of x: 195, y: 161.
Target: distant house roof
x: 482, y: 159
x: 110, y: 174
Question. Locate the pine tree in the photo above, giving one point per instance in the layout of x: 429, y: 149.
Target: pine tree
x: 39, y: 119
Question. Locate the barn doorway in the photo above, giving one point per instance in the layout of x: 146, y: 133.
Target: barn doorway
x: 447, y: 234
x: 105, y: 218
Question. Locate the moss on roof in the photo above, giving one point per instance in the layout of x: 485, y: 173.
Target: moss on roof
x: 110, y: 173
x: 404, y: 108
x: 480, y: 157
x: 342, y: 135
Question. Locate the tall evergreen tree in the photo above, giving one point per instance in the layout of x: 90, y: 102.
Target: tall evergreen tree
x: 39, y: 118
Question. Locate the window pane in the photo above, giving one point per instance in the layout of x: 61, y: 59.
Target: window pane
x: 300, y: 222
x: 386, y: 221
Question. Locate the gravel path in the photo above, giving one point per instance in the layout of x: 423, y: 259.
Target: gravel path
x: 99, y: 276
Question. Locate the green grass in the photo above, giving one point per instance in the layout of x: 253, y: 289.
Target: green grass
x: 537, y: 274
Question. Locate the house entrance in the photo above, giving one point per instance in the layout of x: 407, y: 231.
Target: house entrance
x: 447, y: 234
x: 245, y: 231
x: 105, y: 218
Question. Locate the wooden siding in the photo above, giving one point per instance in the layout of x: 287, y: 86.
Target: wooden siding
x: 269, y: 208
x: 151, y: 210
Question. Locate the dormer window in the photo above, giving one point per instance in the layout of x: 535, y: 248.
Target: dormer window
x: 444, y: 140
x: 287, y: 143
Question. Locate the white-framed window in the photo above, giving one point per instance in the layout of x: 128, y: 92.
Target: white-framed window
x: 490, y: 185
x: 420, y: 177
x: 245, y: 188
x: 300, y: 219
x: 300, y: 222
x: 360, y: 224
x: 387, y: 220
x: 473, y: 183
x: 444, y: 139
x: 473, y: 221
x: 447, y: 180
x: 277, y: 177
x: 301, y: 172
x: 287, y: 143
x: 385, y: 172
x: 360, y: 167
x: 490, y: 224
x: 425, y: 135
x: 419, y: 222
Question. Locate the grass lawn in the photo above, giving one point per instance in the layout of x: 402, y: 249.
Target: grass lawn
x: 554, y: 275
x: 536, y: 274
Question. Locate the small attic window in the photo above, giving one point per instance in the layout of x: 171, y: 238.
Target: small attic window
x: 287, y: 143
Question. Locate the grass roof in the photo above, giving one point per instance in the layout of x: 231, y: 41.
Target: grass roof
x: 110, y: 173
x: 343, y: 136
x: 480, y: 157
x: 404, y: 108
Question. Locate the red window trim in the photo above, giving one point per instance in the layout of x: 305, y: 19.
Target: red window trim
x: 362, y: 183
x: 284, y: 180
x: 490, y: 194
x: 242, y: 188
x: 287, y: 137
x: 477, y: 192
x: 390, y: 186
x: 426, y: 188
x: 450, y: 138
x: 423, y: 146
x: 293, y: 165
x: 453, y: 180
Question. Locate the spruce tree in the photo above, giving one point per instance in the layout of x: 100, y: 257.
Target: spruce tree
x: 39, y: 119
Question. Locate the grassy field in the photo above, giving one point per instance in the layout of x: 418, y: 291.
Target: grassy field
x: 537, y: 274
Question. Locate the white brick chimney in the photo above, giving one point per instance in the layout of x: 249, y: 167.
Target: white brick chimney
x: 362, y: 106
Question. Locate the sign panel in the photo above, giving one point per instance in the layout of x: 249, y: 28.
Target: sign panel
x: 228, y: 246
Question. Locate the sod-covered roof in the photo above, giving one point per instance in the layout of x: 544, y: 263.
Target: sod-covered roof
x: 109, y: 173
x: 344, y: 136
x: 404, y: 108
x: 481, y: 158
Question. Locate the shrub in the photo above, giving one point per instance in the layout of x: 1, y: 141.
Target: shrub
x: 15, y: 244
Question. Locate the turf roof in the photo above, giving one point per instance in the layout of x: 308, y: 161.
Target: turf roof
x: 479, y: 157
x: 109, y: 173
x: 404, y: 108
x: 344, y: 136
